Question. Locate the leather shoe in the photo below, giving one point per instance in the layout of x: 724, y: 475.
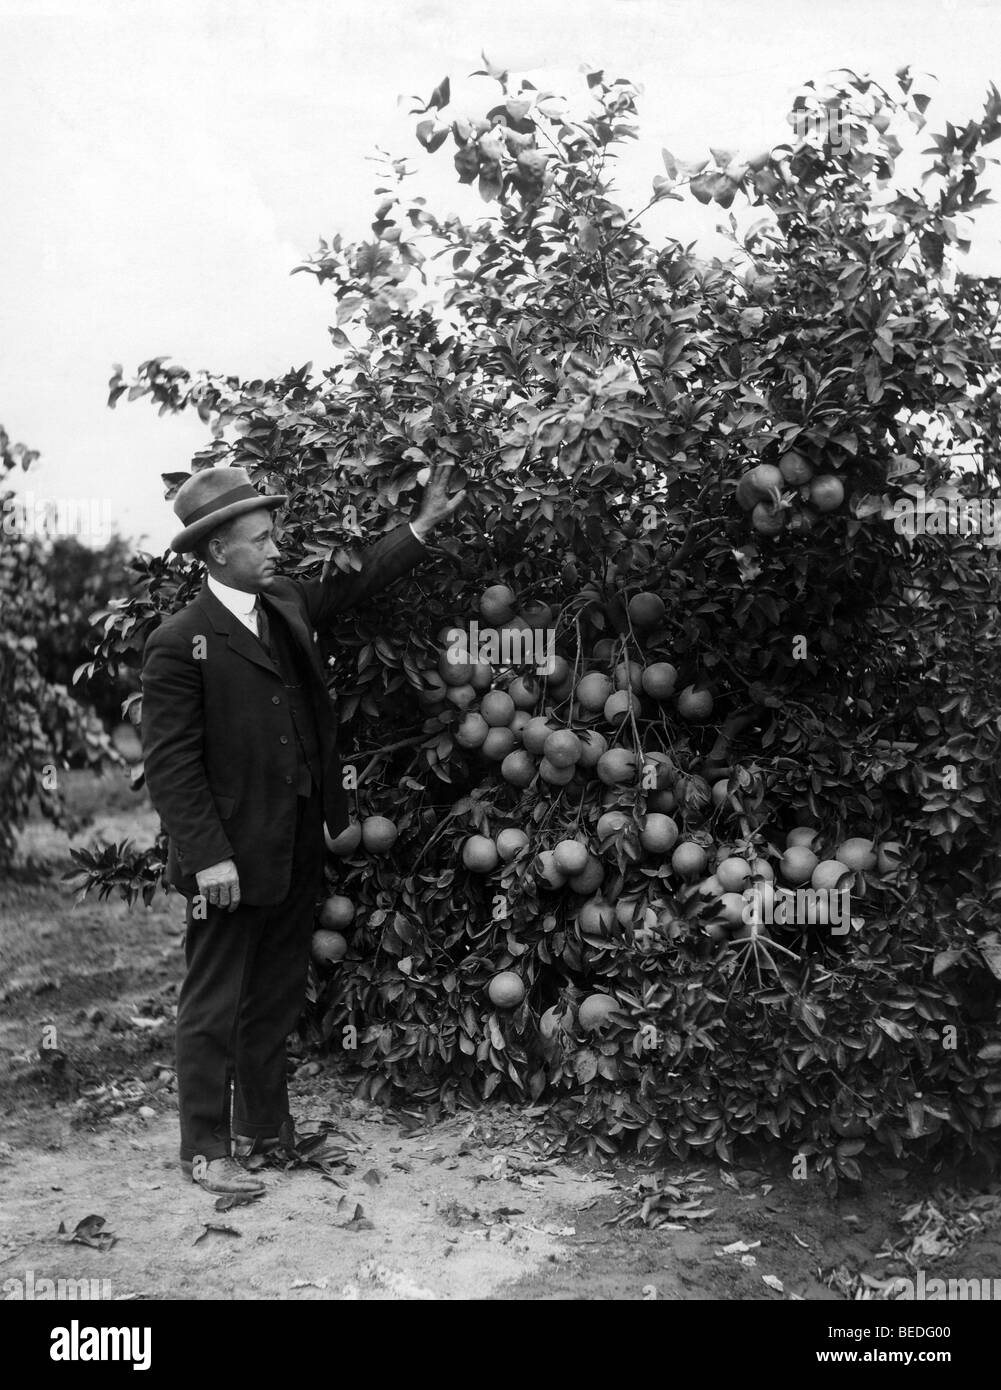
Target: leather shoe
x: 245, y: 1147
x: 223, y: 1176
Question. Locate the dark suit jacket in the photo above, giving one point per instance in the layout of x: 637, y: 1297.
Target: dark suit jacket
x: 217, y: 733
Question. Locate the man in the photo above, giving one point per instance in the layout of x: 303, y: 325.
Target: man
x: 239, y: 743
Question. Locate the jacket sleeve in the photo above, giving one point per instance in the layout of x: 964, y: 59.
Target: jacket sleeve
x: 173, y: 737
x: 382, y: 563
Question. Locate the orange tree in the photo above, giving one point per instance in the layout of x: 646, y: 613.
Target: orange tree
x: 43, y: 729
x: 687, y: 471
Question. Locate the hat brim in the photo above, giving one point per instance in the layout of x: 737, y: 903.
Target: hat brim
x: 185, y: 541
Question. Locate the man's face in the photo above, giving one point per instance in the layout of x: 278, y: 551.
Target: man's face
x: 245, y: 555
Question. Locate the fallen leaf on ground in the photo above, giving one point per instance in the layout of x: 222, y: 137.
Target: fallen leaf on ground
x: 90, y: 1231
x: 212, y: 1228
x: 236, y: 1199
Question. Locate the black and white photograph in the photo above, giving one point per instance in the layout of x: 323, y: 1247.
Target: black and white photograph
x: 500, y: 664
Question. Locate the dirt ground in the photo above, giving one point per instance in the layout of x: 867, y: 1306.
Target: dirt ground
x: 472, y: 1207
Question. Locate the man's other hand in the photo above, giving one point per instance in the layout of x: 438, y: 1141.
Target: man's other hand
x: 436, y: 505
x: 219, y: 885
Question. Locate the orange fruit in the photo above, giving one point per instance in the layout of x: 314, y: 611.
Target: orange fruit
x: 797, y: 864
x: 719, y: 791
x: 765, y: 481
x: 562, y: 748
x: 550, y: 1021
x: 734, y: 874
x: 795, y: 468
x: 518, y: 768
x: 472, y: 731
x: 328, y: 947
x: 760, y: 868
x: 804, y: 835
x: 560, y: 673
x: 497, y: 708
x: 535, y: 733
x: 659, y: 680
x: 538, y: 614
x: 746, y: 494
x: 456, y: 672
x: 510, y: 843
x: 596, y: 1011
x: 658, y: 833
x: 346, y: 842
x: 479, y: 854
x: 570, y: 857
x: 695, y: 704
x: 759, y: 900
x: 611, y: 822
x: 625, y: 911
x: 768, y: 520
x: 592, y: 745
x: 482, y: 677
x: 858, y: 853
x: 827, y: 492
x: 506, y: 990
x: 619, y: 704
x: 829, y: 874
x: 603, y: 651
x: 336, y: 912
x: 589, y: 878
x: 378, y: 834
x: 592, y: 692
x: 497, y: 603
x: 525, y: 692
x: 731, y: 909
x: 628, y: 675
x: 646, y: 609
x: 710, y: 887
x: 548, y: 870
x: 596, y: 917
x: 555, y: 776
x: 689, y: 859
x: 519, y: 720
x: 498, y: 744
x: 663, y: 802
x: 461, y: 696
x: 616, y: 766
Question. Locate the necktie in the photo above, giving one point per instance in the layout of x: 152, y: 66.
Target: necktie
x: 263, y: 625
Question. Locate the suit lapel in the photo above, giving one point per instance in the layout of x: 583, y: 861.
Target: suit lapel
x: 290, y: 612
x: 240, y: 638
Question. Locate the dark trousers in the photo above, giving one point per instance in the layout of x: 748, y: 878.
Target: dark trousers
x: 241, y: 998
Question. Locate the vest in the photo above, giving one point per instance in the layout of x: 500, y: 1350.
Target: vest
x: 296, y: 676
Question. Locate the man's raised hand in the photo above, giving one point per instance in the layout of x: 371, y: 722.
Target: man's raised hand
x: 219, y: 885
x: 436, y: 505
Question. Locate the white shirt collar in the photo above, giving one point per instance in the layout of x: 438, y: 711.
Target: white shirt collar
x: 238, y: 601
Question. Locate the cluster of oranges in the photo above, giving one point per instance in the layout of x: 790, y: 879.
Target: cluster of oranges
x: 769, y: 493
x: 583, y: 730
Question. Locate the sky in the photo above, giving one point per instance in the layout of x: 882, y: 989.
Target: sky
x: 165, y: 166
